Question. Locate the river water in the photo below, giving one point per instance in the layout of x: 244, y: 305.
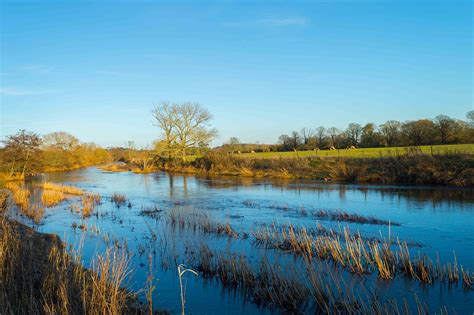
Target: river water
x: 439, y: 220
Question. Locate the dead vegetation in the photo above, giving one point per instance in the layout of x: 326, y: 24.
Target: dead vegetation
x: 186, y: 217
x: 41, y: 276
x: 359, y: 255
x: 278, y: 287
x: 65, y: 189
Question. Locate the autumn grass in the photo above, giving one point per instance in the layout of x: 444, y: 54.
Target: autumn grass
x: 186, y: 217
x: 360, y: 256
x: 88, y: 203
x: 315, y: 289
x: 65, y: 189
x: 42, y: 276
x: 51, y: 198
x: 367, y: 152
x: 118, y: 199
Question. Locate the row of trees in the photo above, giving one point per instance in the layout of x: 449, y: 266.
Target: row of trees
x: 185, y: 128
x: 440, y: 130
x: 26, y: 153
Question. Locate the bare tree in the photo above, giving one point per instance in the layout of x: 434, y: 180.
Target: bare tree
x: 321, y: 136
x: 354, y: 132
x: 22, y: 149
x: 60, y: 140
x: 184, y: 126
x: 445, y: 126
x: 333, y: 133
x: 307, y: 134
x: 391, y: 132
x: 233, y: 143
x: 164, y: 116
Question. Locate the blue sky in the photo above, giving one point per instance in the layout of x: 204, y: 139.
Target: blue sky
x: 96, y: 69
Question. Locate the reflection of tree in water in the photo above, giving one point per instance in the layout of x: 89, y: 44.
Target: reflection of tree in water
x: 462, y: 198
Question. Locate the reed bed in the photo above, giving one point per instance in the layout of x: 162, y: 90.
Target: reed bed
x: 51, y: 198
x: 42, y: 276
x: 21, y: 197
x: 290, y: 290
x: 351, y: 217
x: 362, y: 256
x: 65, y: 189
x: 118, y: 199
x: 88, y: 203
x: 185, y: 217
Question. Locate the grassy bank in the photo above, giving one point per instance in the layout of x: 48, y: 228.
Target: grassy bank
x: 455, y: 169
x: 40, y: 275
x: 368, y: 152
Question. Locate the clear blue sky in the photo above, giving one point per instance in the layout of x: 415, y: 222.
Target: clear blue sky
x: 262, y: 69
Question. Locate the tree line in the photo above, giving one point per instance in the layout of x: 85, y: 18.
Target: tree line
x: 440, y: 130
x: 26, y: 153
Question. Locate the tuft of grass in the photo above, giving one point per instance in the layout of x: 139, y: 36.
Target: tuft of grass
x: 51, y: 198
x: 65, y: 189
x: 118, y: 199
x: 185, y: 217
x: 89, y: 201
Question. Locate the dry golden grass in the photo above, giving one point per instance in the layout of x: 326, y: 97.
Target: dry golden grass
x: 21, y: 195
x: 360, y: 255
x: 65, y: 189
x: 51, y: 198
x: 89, y: 201
x: 40, y: 276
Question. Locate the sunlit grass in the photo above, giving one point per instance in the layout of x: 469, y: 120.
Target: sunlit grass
x: 366, y: 152
x: 70, y: 190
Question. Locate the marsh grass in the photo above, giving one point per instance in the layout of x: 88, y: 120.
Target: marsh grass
x: 65, y: 189
x: 118, y: 199
x: 88, y: 203
x: 186, y: 217
x: 314, y: 289
x: 51, y: 198
x: 360, y: 256
x: 41, y: 276
x: 344, y: 216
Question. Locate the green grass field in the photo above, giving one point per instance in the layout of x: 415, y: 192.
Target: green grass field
x: 367, y: 152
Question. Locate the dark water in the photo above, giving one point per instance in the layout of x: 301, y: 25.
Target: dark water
x: 440, y: 219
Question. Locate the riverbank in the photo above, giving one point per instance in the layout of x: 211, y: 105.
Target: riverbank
x: 445, y: 169
x: 40, y: 275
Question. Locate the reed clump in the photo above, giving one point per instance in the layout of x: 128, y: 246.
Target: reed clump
x: 88, y: 203
x: 65, y: 189
x: 316, y: 288
x: 185, y: 217
x: 51, y: 198
x: 359, y: 255
x: 341, y: 215
x: 21, y: 195
x: 118, y: 199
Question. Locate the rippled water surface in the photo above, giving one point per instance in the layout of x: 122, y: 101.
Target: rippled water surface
x: 439, y: 220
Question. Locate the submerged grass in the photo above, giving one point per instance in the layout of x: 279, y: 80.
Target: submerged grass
x: 118, y: 199
x: 186, y: 217
x: 360, y: 256
x: 314, y: 289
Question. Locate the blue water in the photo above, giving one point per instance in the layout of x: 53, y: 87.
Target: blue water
x: 440, y: 219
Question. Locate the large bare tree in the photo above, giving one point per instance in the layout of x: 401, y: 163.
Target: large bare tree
x: 184, y: 126
x: 164, y: 117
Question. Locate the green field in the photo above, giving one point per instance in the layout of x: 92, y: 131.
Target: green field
x: 367, y: 152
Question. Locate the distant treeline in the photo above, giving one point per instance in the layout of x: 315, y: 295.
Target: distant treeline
x: 440, y: 130
x: 26, y: 153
